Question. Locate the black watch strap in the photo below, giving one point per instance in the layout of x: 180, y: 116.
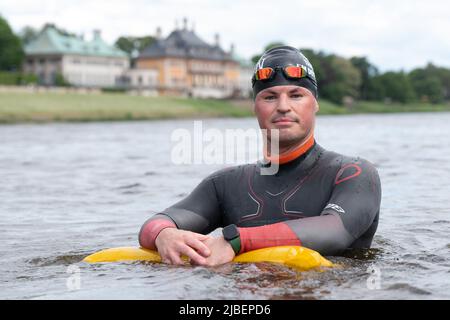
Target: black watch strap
x: 231, y: 234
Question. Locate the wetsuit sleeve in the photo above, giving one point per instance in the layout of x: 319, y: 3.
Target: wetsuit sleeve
x: 352, y: 208
x: 199, y: 212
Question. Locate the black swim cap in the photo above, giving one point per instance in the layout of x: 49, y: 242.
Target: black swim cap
x: 281, y: 57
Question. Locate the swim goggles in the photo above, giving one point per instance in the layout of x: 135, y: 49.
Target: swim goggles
x: 291, y: 72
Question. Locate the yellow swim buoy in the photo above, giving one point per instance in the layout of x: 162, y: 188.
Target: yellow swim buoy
x: 297, y: 257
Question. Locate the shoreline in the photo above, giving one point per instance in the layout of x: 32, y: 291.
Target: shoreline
x: 47, y: 107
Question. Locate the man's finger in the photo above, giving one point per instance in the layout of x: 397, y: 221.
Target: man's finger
x: 176, y: 259
x: 193, y: 255
x: 165, y: 258
x: 199, y: 246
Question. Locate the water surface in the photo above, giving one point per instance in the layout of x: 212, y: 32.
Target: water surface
x: 68, y: 190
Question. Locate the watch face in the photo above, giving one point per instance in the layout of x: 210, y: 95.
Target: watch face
x: 230, y: 232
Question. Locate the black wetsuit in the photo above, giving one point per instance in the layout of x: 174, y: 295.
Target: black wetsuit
x: 330, y: 201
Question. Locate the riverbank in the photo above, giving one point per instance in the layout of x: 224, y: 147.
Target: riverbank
x: 47, y: 107
x: 17, y: 107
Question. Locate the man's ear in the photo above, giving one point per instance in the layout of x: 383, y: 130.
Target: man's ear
x: 317, y: 108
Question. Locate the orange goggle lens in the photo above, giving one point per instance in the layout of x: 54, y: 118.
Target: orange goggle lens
x: 294, y: 72
x: 264, y: 73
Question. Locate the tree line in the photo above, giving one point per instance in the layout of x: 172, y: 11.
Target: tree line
x: 338, y: 77
x: 358, y: 78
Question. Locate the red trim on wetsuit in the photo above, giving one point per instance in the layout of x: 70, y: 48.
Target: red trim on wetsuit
x: 272, y: 235
x: 151, y: 231
x: 341, y: 172
x: 291, y: 155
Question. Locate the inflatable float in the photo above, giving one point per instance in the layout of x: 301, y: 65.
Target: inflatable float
x: 299, y: 258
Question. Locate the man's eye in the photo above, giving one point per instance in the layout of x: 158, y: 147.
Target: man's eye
x: 296, y: 95
x: 269, y: 98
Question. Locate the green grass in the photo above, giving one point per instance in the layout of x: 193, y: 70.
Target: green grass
x: 327, y: 107
x: 47, y: 107
x: 378, y: 107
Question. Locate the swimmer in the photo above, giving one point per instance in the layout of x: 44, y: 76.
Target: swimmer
x: 319, y: 199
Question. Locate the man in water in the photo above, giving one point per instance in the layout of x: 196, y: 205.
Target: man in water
x: 319, y: 199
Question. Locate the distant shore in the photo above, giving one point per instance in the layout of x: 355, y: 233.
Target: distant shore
x: 37, y: 107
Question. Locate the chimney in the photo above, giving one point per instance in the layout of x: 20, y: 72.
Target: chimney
x: 176, y: 24
x: 158, y: 33
x: 97, y: 34
x: 193, y: 26
x: 232, y: 49
x: 217, y: 39
x: 185, y: 23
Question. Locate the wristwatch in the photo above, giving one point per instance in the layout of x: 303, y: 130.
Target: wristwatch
x: 231, y: 234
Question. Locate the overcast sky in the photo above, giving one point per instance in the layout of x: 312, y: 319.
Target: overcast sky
x: 393, y: 34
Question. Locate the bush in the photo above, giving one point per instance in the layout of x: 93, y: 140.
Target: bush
x: 60, y: 81
x: 9, y: 78
x: 28, y: 78
x: 114, y: 90
x: 17, y: 78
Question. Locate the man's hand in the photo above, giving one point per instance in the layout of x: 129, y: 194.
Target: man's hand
x: 221, y: 252
x: 172, y: 243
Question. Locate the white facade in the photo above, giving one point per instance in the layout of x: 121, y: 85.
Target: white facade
x: 142, y: 78
x: 245, y: 81
x: 93, y: 71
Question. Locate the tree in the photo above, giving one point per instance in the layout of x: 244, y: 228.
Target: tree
x: 367, y: 71
x: 11, y: 52
x: 396, y: 86
x: 318, y: 60
x: 342, y: 79
x: 134, y: 45
x: 376, y: 89
x: 444, y: 76
x: 28, y: 34
x: 427, y: 84
x: 61, y: 31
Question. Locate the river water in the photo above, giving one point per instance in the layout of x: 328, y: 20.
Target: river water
x: 68, y: 190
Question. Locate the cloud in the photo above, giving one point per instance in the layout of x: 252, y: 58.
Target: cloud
x: 392, y: 34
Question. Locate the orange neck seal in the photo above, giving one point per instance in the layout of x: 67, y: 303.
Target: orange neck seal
x: 290, y: 155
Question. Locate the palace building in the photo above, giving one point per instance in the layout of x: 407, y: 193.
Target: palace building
x: 180, y: 65
x: 53, y: 55
x: 189, y: 66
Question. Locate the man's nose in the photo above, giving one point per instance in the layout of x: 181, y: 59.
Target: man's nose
x: 283, y: 105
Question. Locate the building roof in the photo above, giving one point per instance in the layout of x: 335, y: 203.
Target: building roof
x: 51, y: 41
x: 184, y: 44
